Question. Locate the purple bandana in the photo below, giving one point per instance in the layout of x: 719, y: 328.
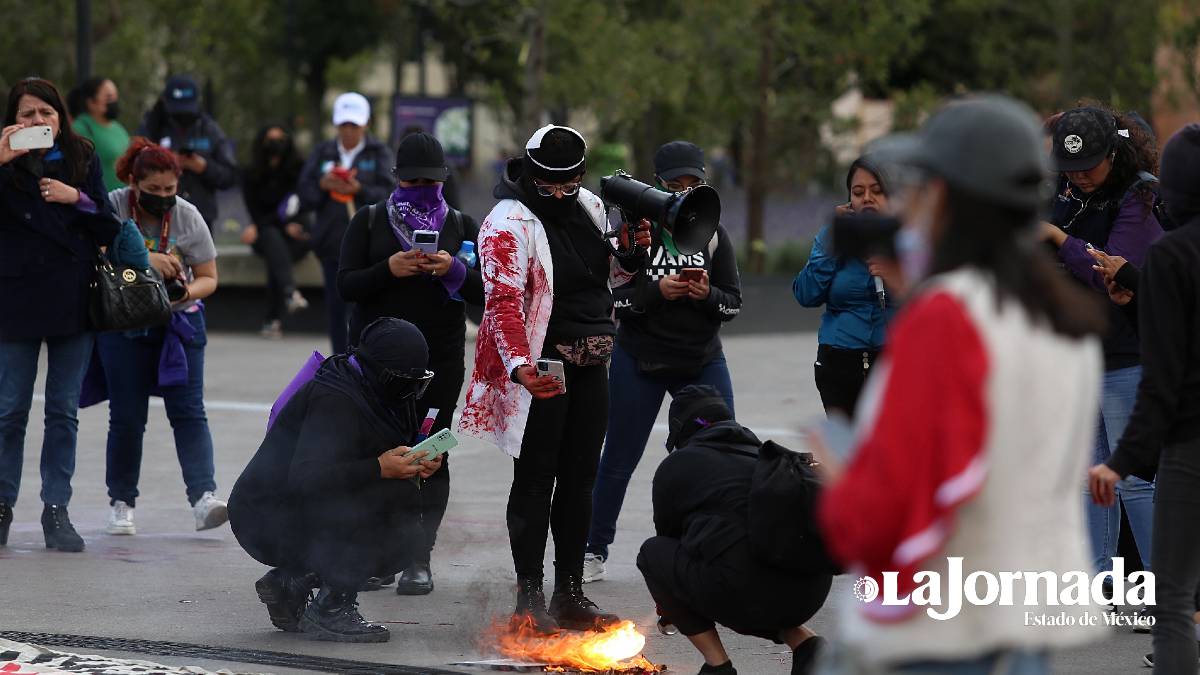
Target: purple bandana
x: 416, y: 208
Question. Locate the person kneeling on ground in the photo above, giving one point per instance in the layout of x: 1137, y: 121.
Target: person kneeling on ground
x: 702, y: 568
x: 321, y: 502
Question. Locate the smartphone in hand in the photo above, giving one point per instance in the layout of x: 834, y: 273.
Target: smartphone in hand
x: 691, y: 274
x: 554, y: 368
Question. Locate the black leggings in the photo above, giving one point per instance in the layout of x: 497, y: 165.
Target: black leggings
x: 279, y: 251
x: 1176, y: 557
x: 840, y: 375
x: 443, y: 395
x: 553, y: 477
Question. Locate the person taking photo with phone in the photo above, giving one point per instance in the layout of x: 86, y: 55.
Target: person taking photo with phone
x: 670, y: 316
x: 341, y: 176
x: 53, y: 219
x: 329, y: 499
x: 178, y: 123
x: 857, y: 313
x: 384, y: 273
x: 166, y: 361
x: 547, y: 271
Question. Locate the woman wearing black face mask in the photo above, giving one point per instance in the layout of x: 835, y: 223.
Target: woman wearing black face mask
x: 276, y: 231
x: 168, y: 361
x: 95, y: 108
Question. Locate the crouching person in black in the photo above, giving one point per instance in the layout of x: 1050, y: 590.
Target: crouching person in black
x: 701, y: 568
x: 323, y: 501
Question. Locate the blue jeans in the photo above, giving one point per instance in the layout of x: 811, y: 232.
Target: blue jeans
x: 339, y: 328
x: 1008, y: 662
x: 1136, y: 495
x: 67, y: 361
x: 634, y: 403
x: 131, y: 370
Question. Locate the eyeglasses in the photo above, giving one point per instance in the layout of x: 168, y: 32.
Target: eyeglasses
x: 551, y: 189
x: 680, y: 187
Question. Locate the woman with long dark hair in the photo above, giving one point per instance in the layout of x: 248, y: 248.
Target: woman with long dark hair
x: 1105, y: 201
x: 95, y: 108
x: 276, y: 232
x: 987, y: 391
x: 53, y: 218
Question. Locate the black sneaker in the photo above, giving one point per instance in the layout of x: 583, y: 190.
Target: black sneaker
x: 376, y: 583
x: 804, y: 656
x: 1141, y: 623
x: 59, y: 532
x: 6, y: 517
x: 416, y: 580
x: 334, y: 617
x: 285, y: 597
x: 572, y: 609
x: 723, y: 669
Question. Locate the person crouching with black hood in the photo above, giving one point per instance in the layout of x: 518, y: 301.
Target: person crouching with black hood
x: 547, y: 274
x: 322, y: 502
x: 701, y: 568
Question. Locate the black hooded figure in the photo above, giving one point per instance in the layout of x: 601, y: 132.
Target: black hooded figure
x: 699, y: 567
x: 320, y: 501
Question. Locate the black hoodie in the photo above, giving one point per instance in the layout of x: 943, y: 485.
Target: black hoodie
x: 1168, y: 400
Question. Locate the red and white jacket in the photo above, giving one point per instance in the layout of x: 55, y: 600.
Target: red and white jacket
x: 972, y: 441
x: 518, y: 288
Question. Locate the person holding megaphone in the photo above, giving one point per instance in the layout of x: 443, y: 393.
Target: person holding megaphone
x: 669, y: 337
x: 539, y: 389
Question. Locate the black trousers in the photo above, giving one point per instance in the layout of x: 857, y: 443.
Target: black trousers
x: 279, y: 252
x: 335, y: 306
x: 840, y: 375
x: 732, y: 589
x: 343, y: 538
x: 553, y: 477
x: 448, y: 375
x: 1176, y: 556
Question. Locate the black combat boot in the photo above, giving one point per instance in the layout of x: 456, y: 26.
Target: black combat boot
x: 5, y: 522
x: 285, y: 596
x: 60, y: 533
x: 333, y: 616
x: 531, y: 606
x: 571, y: 607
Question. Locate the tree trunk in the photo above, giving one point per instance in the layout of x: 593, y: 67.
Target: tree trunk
x: 535, y: 72
x: 315, y: 85
x: 758, y: 175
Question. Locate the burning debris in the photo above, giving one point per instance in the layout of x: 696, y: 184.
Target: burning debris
x: 616, y: 649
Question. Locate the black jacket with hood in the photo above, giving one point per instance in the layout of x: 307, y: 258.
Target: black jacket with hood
x: 205, y: 138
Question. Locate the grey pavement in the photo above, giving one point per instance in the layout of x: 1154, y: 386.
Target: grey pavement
x: 171, y: 583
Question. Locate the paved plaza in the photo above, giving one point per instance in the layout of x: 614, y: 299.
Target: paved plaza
x: 171, y: 583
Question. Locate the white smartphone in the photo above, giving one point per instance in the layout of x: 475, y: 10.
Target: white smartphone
x: 31, y: 138
x: 555, y: 369
x: 425, y: 241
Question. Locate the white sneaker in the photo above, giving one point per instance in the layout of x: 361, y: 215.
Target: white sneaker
x: 593, y: 568
x: 295, y: 302
x: 120, y: 519
x: 210, y: 512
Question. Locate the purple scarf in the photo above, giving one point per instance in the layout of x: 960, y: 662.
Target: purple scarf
x: 416, y: 208
x: 423, y: 208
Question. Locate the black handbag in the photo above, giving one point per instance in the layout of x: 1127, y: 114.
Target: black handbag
x: 128, y: 298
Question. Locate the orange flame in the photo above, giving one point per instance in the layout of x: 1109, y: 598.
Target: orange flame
x: 615, y: 648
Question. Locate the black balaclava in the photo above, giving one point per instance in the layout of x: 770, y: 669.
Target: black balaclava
x: 395, y: 345
x: 555, y: 155
x: 1180, y: 168
x: 695, y: 407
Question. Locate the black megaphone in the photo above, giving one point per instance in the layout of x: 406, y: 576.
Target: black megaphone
x: 690, y: 217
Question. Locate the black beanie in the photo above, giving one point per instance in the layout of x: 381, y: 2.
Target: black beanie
x: 555, y: 154
x: 1180, y: 168
x: 394, y: 344
x: 694, y: 407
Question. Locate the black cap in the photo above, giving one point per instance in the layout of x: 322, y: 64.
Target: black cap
x: 1083, y: 137
x: 181, y: 95
x: 679, y: 158
x: 420, y: 156
x: 990, y: 146
x: 555, y: 154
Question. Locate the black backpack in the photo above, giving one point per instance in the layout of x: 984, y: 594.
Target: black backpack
x: 783, y: 531
x: 1159, y: 209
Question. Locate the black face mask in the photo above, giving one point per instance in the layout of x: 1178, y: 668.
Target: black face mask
x: 275, y: 147
x: 552, y: 206
x: 112, y: 110
x: 155, y: 205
